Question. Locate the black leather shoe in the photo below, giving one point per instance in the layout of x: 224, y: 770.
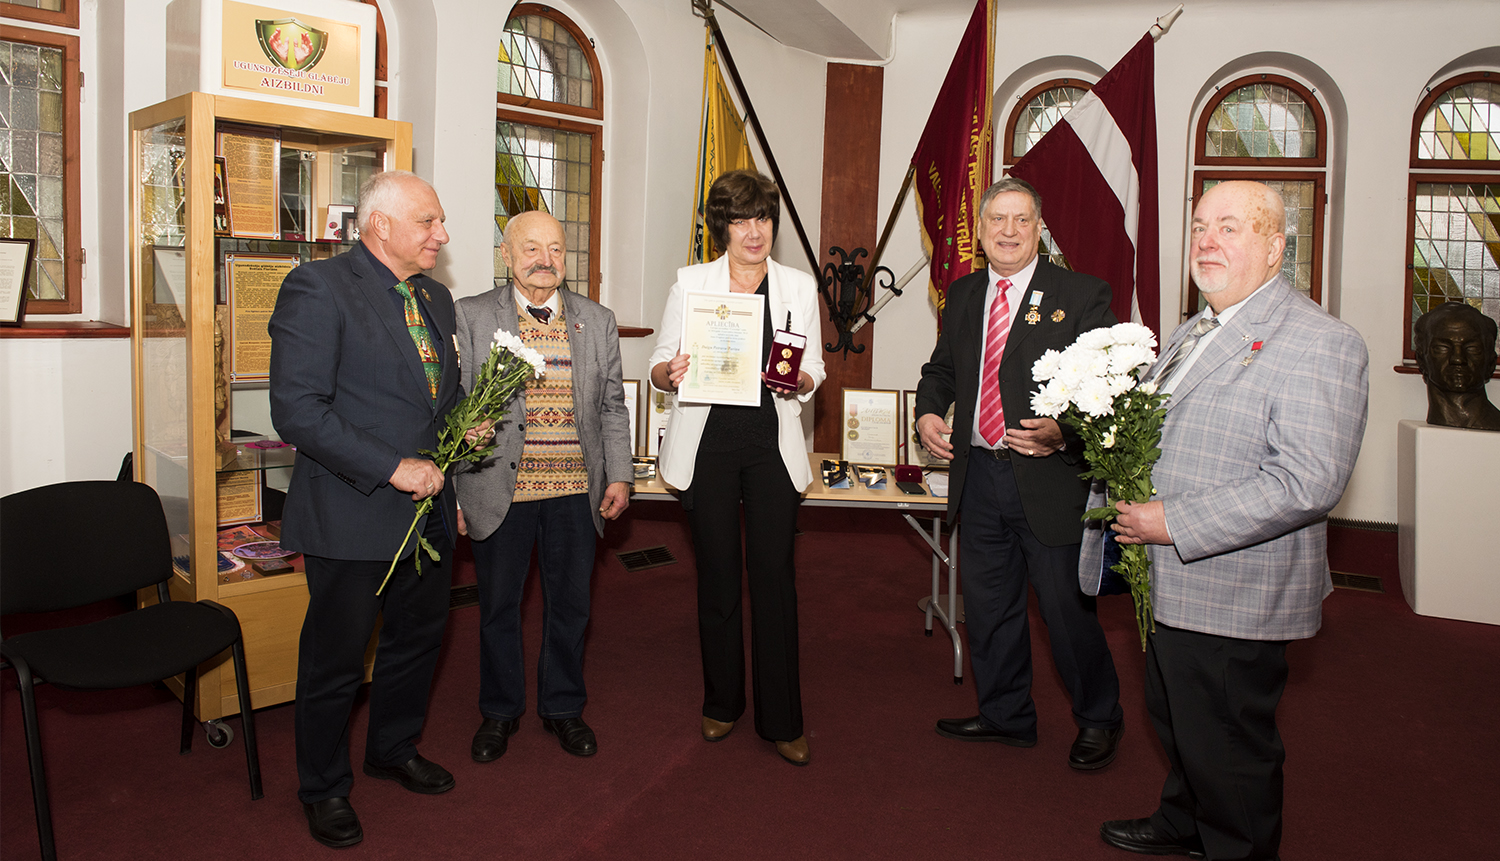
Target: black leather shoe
x: 574, y: 734
x: 975, y: 729
x: 1141, y: 837
x: 333, y: 822
x: 492, y: 738
x: 419, y: 775
x: 1095, y: 748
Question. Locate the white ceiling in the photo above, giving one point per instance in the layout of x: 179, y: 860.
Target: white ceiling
x: 839, y: 29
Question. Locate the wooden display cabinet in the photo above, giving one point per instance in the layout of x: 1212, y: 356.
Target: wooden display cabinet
x: 177, y: 263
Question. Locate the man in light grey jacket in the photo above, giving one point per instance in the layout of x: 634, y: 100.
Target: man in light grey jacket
x: 560, y: 468
x: 1264, y: 423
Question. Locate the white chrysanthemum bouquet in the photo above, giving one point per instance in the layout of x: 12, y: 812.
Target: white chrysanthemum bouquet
x: 1094, y: 385
x: 506, y: 370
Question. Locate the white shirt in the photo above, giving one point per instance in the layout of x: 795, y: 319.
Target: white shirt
x: 1014, y: 293
x: 554, y: 302
x: 1180, y: 372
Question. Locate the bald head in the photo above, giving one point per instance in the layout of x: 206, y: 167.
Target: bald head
x: 534, y: 249
x: 1239, y: 234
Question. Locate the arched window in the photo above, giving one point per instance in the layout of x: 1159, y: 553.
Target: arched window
x: 1453, y: 222
x: 1270, y: 129
x: 544, y: 161
x: 1035, y: 113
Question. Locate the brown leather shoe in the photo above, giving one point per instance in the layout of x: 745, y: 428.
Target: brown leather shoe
x: 716, y: 730
x: 794, y: 751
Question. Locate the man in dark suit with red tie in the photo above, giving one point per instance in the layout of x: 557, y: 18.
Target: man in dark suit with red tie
x: 1015, y: 485
x: 362, y: 372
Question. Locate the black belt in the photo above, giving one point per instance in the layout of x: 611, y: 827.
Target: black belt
x: 996, y: 453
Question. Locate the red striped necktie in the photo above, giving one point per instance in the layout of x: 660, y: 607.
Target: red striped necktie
x: 991, y: 410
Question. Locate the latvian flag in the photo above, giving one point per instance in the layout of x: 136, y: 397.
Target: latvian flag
x: 1096, y: 172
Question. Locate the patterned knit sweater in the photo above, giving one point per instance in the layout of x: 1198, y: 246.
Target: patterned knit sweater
x: 552, y: 458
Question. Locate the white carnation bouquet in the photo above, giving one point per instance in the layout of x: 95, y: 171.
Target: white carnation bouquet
x: 1094, y: 385
x: 506, y: 370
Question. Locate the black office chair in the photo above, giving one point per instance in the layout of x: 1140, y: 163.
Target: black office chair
x: 45, y: 566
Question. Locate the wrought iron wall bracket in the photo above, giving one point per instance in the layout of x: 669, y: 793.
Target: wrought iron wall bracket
x: 848, y: 296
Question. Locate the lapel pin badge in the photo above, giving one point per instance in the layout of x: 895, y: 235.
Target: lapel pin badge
x: 1058, y: 316
x: 578, y: 327
x: 1254, y: 348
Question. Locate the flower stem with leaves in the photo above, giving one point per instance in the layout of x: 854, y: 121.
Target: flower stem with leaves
x: 506, y: 370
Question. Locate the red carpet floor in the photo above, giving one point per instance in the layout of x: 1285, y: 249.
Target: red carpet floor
x: 1388, y: 719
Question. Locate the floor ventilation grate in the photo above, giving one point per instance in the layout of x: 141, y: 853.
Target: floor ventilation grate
x: 1361, y: 582
x: 463, y: 596
x: 650, y: 557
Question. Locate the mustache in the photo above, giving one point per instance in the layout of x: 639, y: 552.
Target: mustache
x: 542, y: 267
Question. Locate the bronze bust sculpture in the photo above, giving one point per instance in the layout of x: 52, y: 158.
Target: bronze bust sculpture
x: 1455, y: 345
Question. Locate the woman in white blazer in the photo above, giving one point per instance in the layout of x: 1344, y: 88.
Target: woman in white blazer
x: 727, y: 458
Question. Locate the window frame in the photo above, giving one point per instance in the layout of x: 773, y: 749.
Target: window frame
x: 1259, y: 168
x: 1009, y: 157
x: 72, y: 251
x: 584, y: 42
x: 1439, y: 171
x: 68, y: 17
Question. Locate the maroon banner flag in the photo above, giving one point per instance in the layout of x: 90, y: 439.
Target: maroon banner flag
x: 953, y: 164
x: 1096, y: 173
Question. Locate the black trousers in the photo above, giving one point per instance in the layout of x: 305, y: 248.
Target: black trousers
x: 1213, y: 702
x: 341, y: 611
x: 998, y: 557
x: 562, y: 531
x: 722, y: 481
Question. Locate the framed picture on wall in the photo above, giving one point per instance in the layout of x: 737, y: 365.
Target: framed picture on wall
x: 15, y: 279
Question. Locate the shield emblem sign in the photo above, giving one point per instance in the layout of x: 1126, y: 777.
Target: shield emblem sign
x: 291, y: 44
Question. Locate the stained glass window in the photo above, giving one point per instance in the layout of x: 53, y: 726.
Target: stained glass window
x: 543, y: 162
x: 48, y: 5
x: 1262, y: 120
x: 32, y: 159
x: 1270, y: 129
x: 550, y: 170
x: 1455, y: 199
x: 540, y: 59
x: 1463, y: 124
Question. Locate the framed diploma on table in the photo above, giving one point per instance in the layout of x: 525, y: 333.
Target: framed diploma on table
x: 870, y: 426
x: 722, y: 332
x: 658, y: 413
x: 916, y: 453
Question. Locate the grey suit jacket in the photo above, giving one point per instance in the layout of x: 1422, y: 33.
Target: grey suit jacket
x: 485, y: 492
x: 1254, y: 456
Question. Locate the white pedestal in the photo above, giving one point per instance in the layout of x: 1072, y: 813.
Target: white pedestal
x: 1447, y: 482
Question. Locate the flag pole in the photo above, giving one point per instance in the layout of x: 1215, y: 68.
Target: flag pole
x: 739, y: 87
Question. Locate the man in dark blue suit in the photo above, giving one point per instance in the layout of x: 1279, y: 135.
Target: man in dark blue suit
x: 1015, y: 482
x: 362, y: 371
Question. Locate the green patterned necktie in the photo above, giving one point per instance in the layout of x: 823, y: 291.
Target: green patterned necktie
x: 420, y: 336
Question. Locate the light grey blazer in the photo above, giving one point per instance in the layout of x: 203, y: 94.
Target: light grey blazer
x: 1254, y: 456
x: 603, y: 423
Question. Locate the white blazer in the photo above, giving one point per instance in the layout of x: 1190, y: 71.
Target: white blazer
x: 789, y: 290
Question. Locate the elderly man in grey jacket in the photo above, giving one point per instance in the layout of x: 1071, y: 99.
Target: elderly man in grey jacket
x: 561, y: 467
x: 1264, y: 423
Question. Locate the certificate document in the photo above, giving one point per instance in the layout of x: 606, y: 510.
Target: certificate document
x: 872, y: 425
x: 721, y: 332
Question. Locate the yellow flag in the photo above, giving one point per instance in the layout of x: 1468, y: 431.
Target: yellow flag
x: 722, y: 147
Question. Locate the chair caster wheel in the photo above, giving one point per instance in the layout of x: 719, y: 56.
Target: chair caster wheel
x: 219, y: 733
x: 928, y: 632
x: 958, y: 680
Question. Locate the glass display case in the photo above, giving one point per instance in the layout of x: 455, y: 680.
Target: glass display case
x: 228, y: 194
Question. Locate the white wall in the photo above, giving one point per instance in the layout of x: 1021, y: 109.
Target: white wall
x: 1383, y: 55
x: 442, y: 63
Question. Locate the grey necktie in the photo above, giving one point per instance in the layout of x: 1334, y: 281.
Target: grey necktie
x: 1162, y: 371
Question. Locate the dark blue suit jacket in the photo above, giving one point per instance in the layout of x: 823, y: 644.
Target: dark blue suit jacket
x: 348, y: 390
x: 1071, y: 303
